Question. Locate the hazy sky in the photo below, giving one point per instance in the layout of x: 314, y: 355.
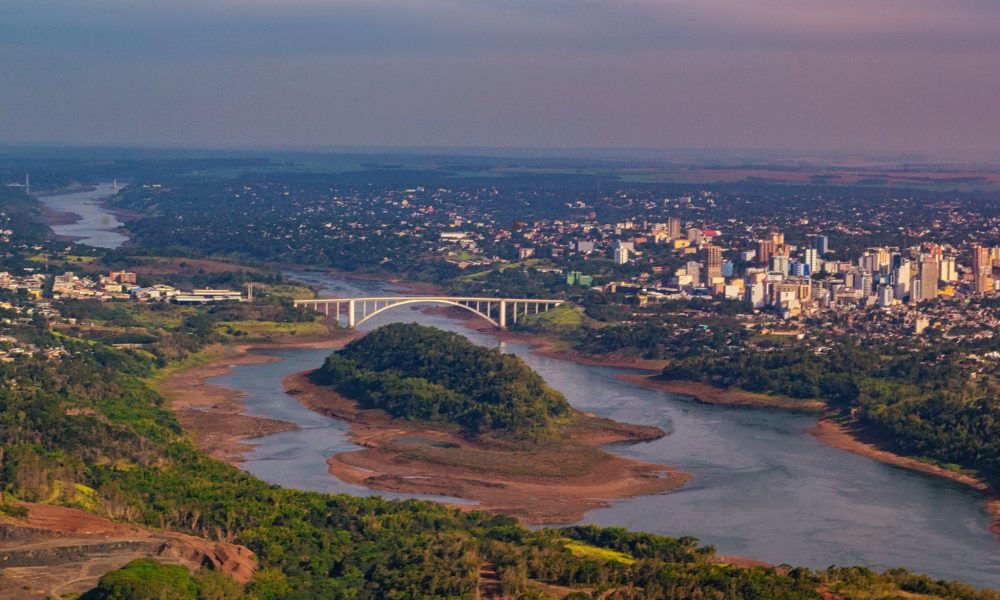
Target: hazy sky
x: 872, y: 75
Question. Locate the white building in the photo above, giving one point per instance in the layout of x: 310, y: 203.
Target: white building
x: 621, y: 255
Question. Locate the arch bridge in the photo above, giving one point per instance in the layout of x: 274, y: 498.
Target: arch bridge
x: 498, y: 311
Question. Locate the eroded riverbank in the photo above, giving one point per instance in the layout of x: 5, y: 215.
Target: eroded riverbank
x: 216, y: 415
x: 854, y: 440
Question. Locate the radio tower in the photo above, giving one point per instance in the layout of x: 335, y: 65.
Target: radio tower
x: 27, y: 185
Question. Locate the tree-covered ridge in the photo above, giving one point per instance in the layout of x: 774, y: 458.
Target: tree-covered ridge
x: 417, y: 372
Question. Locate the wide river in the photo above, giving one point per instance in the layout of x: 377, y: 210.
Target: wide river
x: 96, y: 226
x: 763, y: 487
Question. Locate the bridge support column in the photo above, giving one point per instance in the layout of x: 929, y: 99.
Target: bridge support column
x: 350, y: 314
x: 503, y: 314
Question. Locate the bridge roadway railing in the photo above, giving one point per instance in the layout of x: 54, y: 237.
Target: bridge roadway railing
x: 497, y: 311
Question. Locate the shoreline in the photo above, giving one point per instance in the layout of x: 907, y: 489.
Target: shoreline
x: 708, y: 394
x: 551, y: 482
x: 826, y: 431
x: 214, y: 415
x: 852, y: 439
x: 55, y: 218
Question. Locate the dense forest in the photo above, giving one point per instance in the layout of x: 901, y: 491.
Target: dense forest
x: 416, y: 372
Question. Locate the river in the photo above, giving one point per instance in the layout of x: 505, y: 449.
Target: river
x: 763, y: 487
x: 96, y: 226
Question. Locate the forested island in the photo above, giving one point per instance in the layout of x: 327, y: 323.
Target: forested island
x: 438, y: 414
x: 421, y: 373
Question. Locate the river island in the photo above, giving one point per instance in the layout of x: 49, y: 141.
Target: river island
x: 437, y: 414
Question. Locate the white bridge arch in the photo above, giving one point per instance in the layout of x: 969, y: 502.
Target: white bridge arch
x: 498, y: 311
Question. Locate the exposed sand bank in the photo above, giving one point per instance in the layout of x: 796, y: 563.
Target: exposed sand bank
x: 540, y: 483
x: 215, y: 415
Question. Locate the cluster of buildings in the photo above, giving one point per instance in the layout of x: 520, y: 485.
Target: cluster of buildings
x: 116, y: 285
x: 12, y: 349
x: 796, y: 280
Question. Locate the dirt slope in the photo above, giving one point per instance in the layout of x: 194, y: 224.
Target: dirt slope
x: 56, y: 551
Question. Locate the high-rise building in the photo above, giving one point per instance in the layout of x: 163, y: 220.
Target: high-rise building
x: 694, y: 235
x: 928, y: 278
x: 982, y: 269
x: 765, y: 249
x: 901, y: 276
x: 995, y: 255
x: 948, y: 271
x: 800, y: 269
x: 885, y: 296
x: 883, y: 258
x: 869, y: 261
x: 713, y: 263
x: 674, y: 228
x: 693, y: 270
x: 621, y: 255
x: 780, y: 264
x: 812, y: 259
x: 981, y: 257
x: 821, y: 244
x: 867, y: 283
x: 756, y: 294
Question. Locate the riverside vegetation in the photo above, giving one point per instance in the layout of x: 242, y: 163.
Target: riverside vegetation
x: 90, y: 431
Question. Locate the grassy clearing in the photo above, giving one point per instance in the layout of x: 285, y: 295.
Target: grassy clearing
x: 250, y: 330
x: 582, y: 549
x: 63, y: 259
x: 552, y: 459
x: 72, y: 494
x: 197, y: 359
x: 287, y: 290
x: 562, y: 317
x: 164, y: 316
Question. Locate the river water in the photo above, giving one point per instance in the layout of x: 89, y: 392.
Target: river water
x: 762, y: 487
x: 96, y: 226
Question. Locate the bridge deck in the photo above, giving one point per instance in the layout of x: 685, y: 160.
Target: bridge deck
x: 367, y: 307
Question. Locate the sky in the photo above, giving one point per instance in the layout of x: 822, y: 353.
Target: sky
x: 864, y: 76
